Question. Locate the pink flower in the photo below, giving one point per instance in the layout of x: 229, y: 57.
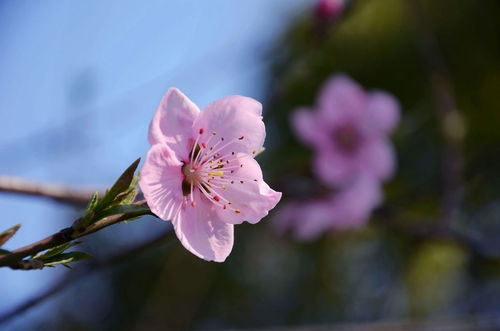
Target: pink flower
x: 329, y: 9
x: 347, y: 209
x: 201, y: 174
x: 349, y: 131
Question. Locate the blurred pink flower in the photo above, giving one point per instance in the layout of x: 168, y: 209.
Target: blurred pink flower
x: 347, y: 209
x: 349, y: 131
x: 201, y: 174
x: 329, y: 9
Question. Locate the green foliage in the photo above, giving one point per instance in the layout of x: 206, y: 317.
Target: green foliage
x: 55, y: 250
x: 56, y: 255
x: 116, y: 200
x: 65, y: 258
x: 7, y: 234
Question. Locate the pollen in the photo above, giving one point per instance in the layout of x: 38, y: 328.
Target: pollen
x: 215, y: 173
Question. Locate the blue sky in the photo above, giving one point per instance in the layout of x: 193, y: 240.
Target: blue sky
x: 80, y: 80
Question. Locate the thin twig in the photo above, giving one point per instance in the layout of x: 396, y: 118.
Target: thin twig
x: 61, y: 237
x: 93, y: 266
x: 452, y: 126
x: 57, y: 192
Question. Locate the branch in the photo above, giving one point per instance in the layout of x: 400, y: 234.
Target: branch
x: 93, y: 266
x: 452, y: 125
x: 52, y: 191
x: 13, y: 260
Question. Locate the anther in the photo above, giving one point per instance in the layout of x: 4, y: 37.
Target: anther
x: 237, y: 211
x: 241, y: 138
x: 214, y: 133
x: 193, y: 203
x: 216, y: 198
x: 201, y: 131
x: 204, y: 145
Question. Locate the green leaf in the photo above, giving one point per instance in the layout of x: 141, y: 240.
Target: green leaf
x: 121, y: 185
x: 66, y: 258
x: 93, y: 202
x: 55, y: 250
x: 130, y: 210
x: 7, y: 234
x: 128, y: 196
x: 4, y: 251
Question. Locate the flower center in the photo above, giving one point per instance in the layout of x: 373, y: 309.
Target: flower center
x: 347, y: 138
x: 211, y: 171
x: 191, y: 176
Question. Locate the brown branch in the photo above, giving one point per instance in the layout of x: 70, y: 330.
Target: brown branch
x: 452, y: 125
x: 61, y: 237
x: 92, y: 266
x: 57, y: 192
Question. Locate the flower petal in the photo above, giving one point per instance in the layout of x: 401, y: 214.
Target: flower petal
x: 353, y: 206
x: 202, y: 233
x: 378, y: 158
x: 308, y: 126
x: 316, y: 217
x: 334, y: 168
x: 161, y: 181
x: 237, y: 120
x: 251, y: 198
x: 173, y: 121
x: 341, y: 99
x: 383, y: 111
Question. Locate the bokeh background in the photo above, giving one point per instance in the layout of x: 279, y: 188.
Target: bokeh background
x: 79, y: 82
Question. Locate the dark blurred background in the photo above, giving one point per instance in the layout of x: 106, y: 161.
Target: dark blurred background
x: 80, y: 82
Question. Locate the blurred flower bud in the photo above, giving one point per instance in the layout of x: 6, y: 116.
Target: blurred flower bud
x: 329, y: 9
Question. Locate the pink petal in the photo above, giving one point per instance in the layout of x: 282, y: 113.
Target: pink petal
x: 378, y: 159
x: 383, y: 111
x: 202, y: 233
x: 333, y: 168
x: 161, y: 181
x: 173, y: 121
x: 237, y: 120
x: 253, y: 198
x: 309, y: 128
x: 354, y: 205
x: 316, y: 218
x: 341, y: 99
